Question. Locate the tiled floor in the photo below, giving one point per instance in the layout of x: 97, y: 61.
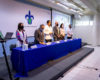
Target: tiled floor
x: 87, y: 69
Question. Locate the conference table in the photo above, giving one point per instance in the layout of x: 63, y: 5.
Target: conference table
x: 24, y: 61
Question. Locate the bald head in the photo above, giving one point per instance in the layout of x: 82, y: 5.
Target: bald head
x: 56, y: 23
x: 42, y: 26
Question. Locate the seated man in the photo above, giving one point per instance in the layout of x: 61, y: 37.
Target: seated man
x: 39, y: 35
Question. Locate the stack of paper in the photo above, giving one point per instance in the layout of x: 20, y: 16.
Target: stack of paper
x: 34, y: 46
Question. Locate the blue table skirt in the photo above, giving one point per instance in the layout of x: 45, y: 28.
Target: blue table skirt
x: 24, y: 61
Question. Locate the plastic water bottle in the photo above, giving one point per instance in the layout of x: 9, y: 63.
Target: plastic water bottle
x: 25, y: 47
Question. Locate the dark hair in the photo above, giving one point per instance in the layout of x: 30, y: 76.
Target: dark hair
x: 48, y: 21
x: 41, y: 25
x: 70, y: 26
x: 61, y: 25
x: 19, y: 26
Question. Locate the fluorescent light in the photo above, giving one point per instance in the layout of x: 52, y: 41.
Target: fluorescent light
x: 52, y: 1
x: 73, y: 10
x: 68, y: 8
x: 62, y: 5
x: 80, y: 13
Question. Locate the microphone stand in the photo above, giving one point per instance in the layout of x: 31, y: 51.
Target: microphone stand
x: 5, y: 56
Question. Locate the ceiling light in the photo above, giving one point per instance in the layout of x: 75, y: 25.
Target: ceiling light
x: 62, y: 5
x: 66, y: 7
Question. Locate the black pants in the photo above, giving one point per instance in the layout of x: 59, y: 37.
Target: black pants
x: 62, y: 37
x: 48, y: 40
x: 36, y: 42
x: 69, y: 37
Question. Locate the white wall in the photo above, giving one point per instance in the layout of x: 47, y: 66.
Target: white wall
x: 97, y: 28
x: 12, y: 12
x: 90, y: 33
x: 84, y: 29
x: 84, y: 32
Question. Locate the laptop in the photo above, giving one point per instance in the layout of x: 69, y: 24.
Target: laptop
x: 7, y: 36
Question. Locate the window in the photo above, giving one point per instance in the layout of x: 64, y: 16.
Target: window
x: 84, y: 21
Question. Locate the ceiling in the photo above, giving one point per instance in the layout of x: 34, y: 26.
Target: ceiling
x: 93, y: 5
x: 71, y: 6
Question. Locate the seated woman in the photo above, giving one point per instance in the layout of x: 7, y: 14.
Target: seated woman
x: 62, y: 32
x: 21, y: 35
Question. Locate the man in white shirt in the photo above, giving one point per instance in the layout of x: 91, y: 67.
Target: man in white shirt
x: 69, y: 32
x: 48, y: 32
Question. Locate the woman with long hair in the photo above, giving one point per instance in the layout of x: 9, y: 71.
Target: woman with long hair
x: 21, y: 35
x: 62, y: 32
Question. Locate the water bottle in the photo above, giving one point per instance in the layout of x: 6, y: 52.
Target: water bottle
x: 23, y: 47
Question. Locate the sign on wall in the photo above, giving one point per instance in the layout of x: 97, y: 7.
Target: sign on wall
x: 29, y: 17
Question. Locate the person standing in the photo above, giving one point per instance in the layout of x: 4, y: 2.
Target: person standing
x: 56, y: 32
x: 48, y: 32
x: 69, y: 32
x: 21, y: 35
x: 39, y: 35
x: 62, y: 32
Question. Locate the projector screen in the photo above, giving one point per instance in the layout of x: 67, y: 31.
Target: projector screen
x: 12, y: 12
x: 61, y: 18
